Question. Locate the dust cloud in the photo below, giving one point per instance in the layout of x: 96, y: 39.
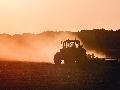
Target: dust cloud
x: 96, y: 53
x: 32, y: 47
x: 36, y: 47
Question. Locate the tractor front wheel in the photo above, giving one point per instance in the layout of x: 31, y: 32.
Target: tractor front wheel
x: 57, y: 62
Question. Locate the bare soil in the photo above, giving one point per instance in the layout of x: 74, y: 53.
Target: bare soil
x: 46, y: 76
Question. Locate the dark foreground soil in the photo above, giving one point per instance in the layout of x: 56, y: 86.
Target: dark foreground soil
x: 43, y: 76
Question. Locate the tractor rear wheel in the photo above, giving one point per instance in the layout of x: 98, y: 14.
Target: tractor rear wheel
x: 57, y: 58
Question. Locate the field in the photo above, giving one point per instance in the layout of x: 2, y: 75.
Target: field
x: 46, y: 76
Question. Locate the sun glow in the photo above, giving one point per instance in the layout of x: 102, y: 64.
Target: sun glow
x: 35, y: 16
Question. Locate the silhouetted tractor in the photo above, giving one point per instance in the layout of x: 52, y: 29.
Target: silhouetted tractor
x: 72, y: 52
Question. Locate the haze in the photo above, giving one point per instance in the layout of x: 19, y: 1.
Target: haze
x: 31, y: 47
x: 35, y: 16
x: 36, y: 48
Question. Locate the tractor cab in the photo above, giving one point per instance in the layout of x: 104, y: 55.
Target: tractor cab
x: 71, y: 43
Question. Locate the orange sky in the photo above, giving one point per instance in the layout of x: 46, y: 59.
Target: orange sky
x: 35, y: 16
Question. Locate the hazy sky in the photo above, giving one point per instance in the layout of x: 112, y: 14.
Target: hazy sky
x: 35, y: 16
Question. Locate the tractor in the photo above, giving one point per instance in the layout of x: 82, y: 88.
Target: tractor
x: 71, y: 53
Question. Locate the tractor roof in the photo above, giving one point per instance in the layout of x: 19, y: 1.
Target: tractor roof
x: 71, y: 40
